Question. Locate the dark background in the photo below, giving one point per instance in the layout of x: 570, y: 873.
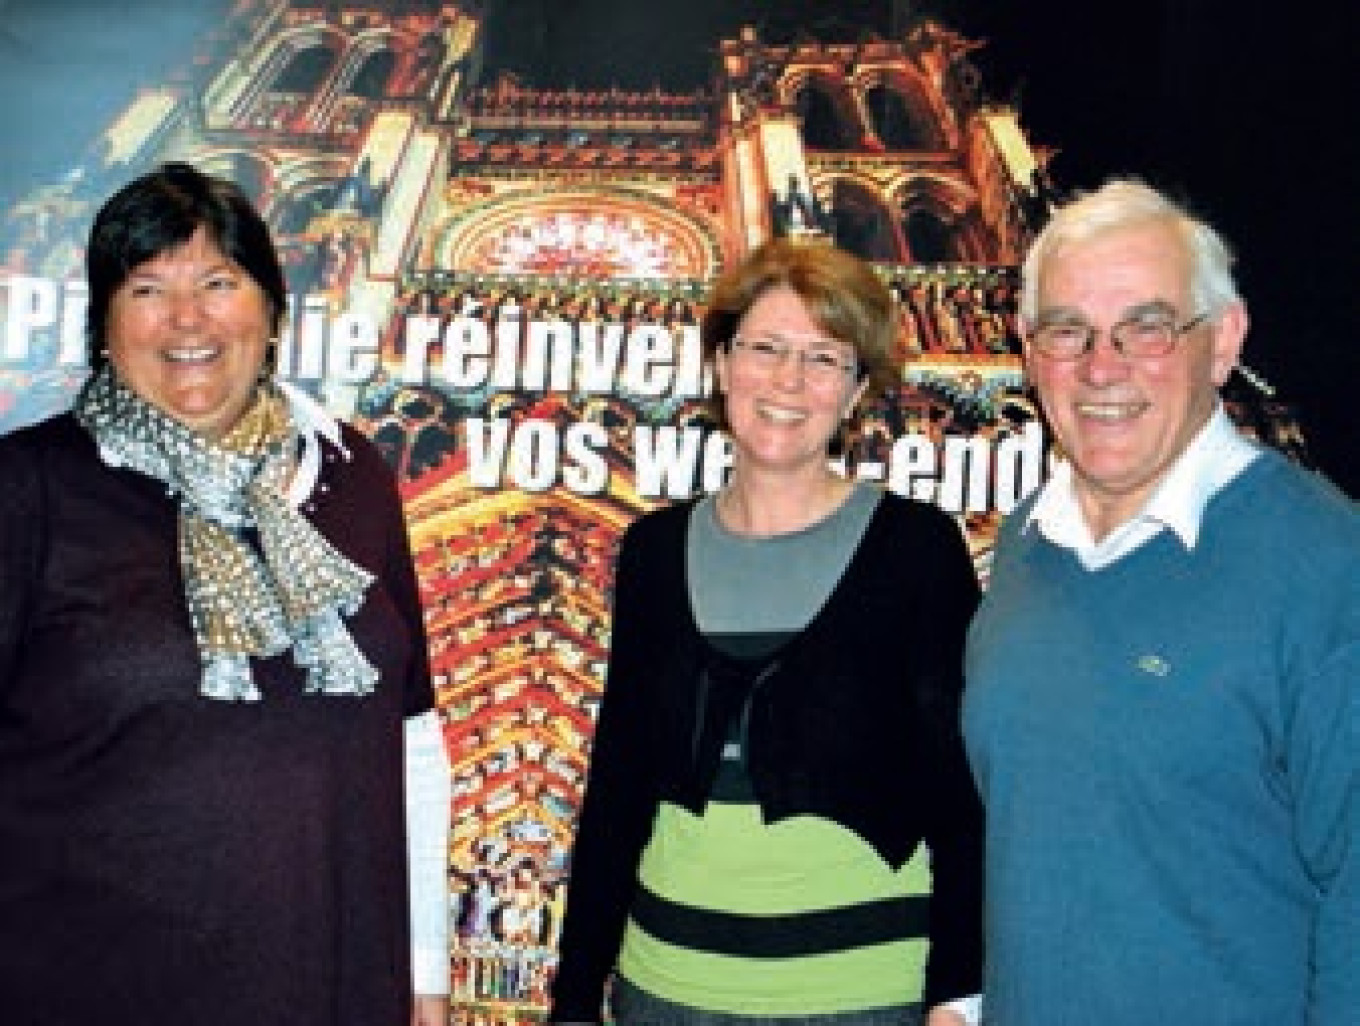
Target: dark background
x: 1242, y: 109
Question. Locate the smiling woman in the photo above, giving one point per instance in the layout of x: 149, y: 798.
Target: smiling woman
x: 189, y: 332
x: 797, y: 337
x: 212, y: 663
x: 186, y: 293
x: 736, y: 859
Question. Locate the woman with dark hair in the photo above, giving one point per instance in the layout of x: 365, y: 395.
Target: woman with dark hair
x: 779, y: 731
x: 215, y: 707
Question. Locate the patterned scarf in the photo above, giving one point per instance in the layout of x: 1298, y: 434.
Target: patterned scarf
x: 241, y: 605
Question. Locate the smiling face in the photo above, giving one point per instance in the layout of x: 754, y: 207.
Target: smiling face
x: 778, y: 415
x: 188, y: 331
x: 1123, y: 422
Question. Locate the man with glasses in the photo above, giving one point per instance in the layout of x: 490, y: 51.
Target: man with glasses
x: 1163, y: 677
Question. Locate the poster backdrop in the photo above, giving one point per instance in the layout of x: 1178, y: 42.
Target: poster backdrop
x: 499, y: 275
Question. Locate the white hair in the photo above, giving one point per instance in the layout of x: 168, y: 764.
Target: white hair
x: 1124, y: 203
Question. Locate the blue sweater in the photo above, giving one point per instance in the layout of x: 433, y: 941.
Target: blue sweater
x: 1167, y: 751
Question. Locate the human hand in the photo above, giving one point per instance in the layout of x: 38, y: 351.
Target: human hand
x: 941, y: 1015
x: 430, y: 1010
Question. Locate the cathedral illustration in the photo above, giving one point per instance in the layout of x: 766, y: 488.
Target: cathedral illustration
x: 440, y: 202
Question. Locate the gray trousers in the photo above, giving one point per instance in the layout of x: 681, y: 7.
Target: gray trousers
x: 635, y: 1007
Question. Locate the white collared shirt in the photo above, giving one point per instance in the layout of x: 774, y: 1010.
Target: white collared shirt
x: 1213, y: 458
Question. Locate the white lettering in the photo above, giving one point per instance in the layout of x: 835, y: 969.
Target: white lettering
x: 600, y: 345
x: 912, y: 467
x: 648, y: 365
x: 1019, y: 465
x: 74, y: 308
x: 548, y: 356
x: 418, y: 332
x: 967, y: 469
x: 487, y: 444
x: 467, y: 352
x: 32, y: 305
x: 354, y: 357
x: 534, y: 455
x: 585, y: 470
x: 692, y: 379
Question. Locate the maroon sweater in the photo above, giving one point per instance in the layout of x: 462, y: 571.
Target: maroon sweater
x: 167, y: 858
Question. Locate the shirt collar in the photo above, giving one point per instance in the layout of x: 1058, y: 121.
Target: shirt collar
x: 314, y: 423
x: 1217, y: 454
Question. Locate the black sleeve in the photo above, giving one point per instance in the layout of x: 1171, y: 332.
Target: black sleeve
x: 954, y: 824
x: 618, y: 808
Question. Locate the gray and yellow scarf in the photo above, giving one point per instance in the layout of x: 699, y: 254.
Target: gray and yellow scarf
x: 290, y: 592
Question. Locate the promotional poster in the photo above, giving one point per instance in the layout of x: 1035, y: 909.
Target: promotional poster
x: 500, y: 222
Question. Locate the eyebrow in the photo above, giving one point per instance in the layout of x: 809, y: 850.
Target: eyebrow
x: 1071, y: 315
x: 1158, y: 307
x: 813, y: 340
x: 144, y: 270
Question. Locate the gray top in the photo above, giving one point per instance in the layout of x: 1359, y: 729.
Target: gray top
x: 742, y: 585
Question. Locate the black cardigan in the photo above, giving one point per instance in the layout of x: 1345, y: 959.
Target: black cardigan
x: 856, y: 720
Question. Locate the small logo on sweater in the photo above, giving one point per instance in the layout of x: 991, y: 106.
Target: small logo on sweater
x: 1154, y: 664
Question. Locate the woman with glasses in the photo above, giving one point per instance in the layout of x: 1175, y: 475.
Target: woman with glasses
x: 779, y: 824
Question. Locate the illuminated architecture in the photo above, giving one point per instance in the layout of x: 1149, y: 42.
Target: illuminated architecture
x: 415, y: 193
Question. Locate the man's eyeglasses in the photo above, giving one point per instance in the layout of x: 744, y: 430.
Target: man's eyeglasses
x: 1137, y: 337
x: 823, y: 365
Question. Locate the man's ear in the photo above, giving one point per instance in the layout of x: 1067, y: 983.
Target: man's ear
x: 1229, y: 332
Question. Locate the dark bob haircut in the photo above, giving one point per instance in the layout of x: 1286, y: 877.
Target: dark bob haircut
x: 160, y: 211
